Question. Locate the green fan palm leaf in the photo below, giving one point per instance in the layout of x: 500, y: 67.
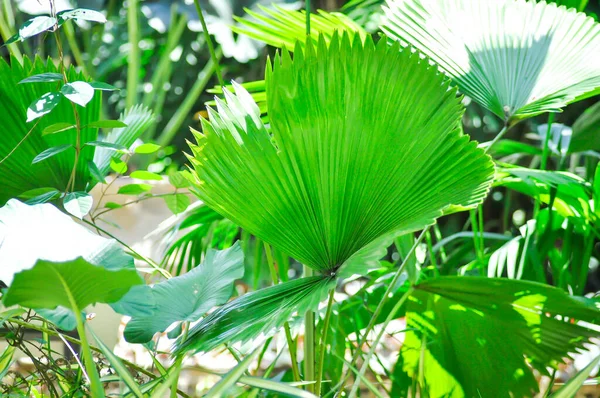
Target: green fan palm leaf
x: 17, y: 172
x: 363, y: 146
x: 517, y: 58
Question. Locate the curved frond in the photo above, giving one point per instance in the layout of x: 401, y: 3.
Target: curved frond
x: 517, y: 58
x: 17, y: 173
x: 365, y: 146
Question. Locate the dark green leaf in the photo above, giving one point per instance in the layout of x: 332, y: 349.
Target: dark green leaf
x: 57, y: 128
x: 95, y: 172
x: 190, y: 296
x: 43, y: 77
x: 78, y: 204
x: 80, y: 93
x: 107, y: 124
x: 177, y: 203
x: 39, y: 195
x: 586, y: 131
x: 51, y: 152
x: 450, y: 318
x: 103, y: 86
x: 107, y: 145
x: 43, y: 105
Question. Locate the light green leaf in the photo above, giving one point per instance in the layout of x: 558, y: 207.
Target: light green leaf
x: 255, y: 313
x: 190, y: 296
x: 120, y: 369
x: 43, y: 105
x: 222, y: 388
x: 78, y: 204
x: 51, y: 152
x: 147, y: 148
x: 450, y: 318
x: 36, y: 26
x: 112, y: 205
x: 57, y: 128
x: 134, y: 189
x: 118, y: 166
x: 73, y: 284
x: 572, y: 387
x: 177, y: 203
x: 145, y: 175
x: 516, y: 58
x: 180, y: 179
x: 82, y: 14
x: 80, y: 93
x: 107, y: 124
x: 6, y: 360
x: 320, y: 105
x: 43, y: 77
x: 138, y: 119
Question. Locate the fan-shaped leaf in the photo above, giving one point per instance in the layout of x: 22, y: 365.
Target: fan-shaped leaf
x: 524, y: 323
x: 188, y: 297
x: 517, y: 58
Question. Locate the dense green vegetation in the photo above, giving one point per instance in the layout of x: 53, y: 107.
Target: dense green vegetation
x: 425, y: 163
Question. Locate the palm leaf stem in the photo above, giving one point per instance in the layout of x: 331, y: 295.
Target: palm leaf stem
x: 386, y: 296
x: 323, y: 343
x: 209, y: 43
x: 309, y: 342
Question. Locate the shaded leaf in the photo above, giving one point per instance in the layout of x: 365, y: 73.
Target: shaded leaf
x: 227, y: 381
x: 78, y: 204
x: 95, y: 172
x: 43, y: 77
x: 107, y: 124
x: 190, y: 296
x: 450, y: 318
x: 586, y: 131
x: 39, y: 195
x: 51, y: 152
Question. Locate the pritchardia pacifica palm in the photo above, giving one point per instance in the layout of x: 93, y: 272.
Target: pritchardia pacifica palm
x: 364, y: 145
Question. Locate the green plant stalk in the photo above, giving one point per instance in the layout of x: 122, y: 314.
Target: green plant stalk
x: 386, y: 296
x: 375, y: 343
x: 78, y: 342
x: 286, y: 325
x: 309, y: 342
x: 323, y: 345
x: 430, y: 249
x: 133, y: 65
x: 476, y: 234
x: 438, y: 237
x: 183, y: 111
x: 5, y: 33
x: 77, y: 54
x: 211, y: 49
x: 178, y: 362
x: 546, y: 150
x: 498, y: 136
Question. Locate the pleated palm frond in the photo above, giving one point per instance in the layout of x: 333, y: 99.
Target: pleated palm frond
x: 363, y: 146
x: 280, y: 27
x: 517, y: 58
x: 17, y: 173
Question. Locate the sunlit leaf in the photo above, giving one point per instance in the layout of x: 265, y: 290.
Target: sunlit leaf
x: 147, y: 148
x: 78, y: 204
x: 57, y: 128
x: 80, y: 93
x: 516, y: 58
x: 118, y: 166
x: 35, y: 26
x: 134, y: 189
x: 145, y: 175
x: 177, y: 203
x: 81, y: 14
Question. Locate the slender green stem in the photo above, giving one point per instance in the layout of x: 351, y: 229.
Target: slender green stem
x: 183, y: 111
x: 209, y: 43
x: 323, y: 344
x: 546, y: 150
x: 386, y: 296
x: 307, y: 4
x: 500, y: 134
x: 375, y: 343
x: 438, y: 238
x: 309, y: 342
x: 133, y: 57
x: 178, y: 362
x: 88, y: 359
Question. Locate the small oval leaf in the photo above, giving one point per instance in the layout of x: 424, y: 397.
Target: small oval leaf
x: 145, y: 175
x: 107, y: 124
x: 134, y: 189
x: 57, y: 128
x: 118, y: 166
x: 51, y: 152
x: 36, y: 26
x: 95, y: 172
x: 82, y: 14
x: 78, y: 92
x: 147, y: 148
x: 42, y: 105
x: 103, y: 86
x: 177, y: 203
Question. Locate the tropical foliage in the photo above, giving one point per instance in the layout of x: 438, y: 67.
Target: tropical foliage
x: 328, y: 209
